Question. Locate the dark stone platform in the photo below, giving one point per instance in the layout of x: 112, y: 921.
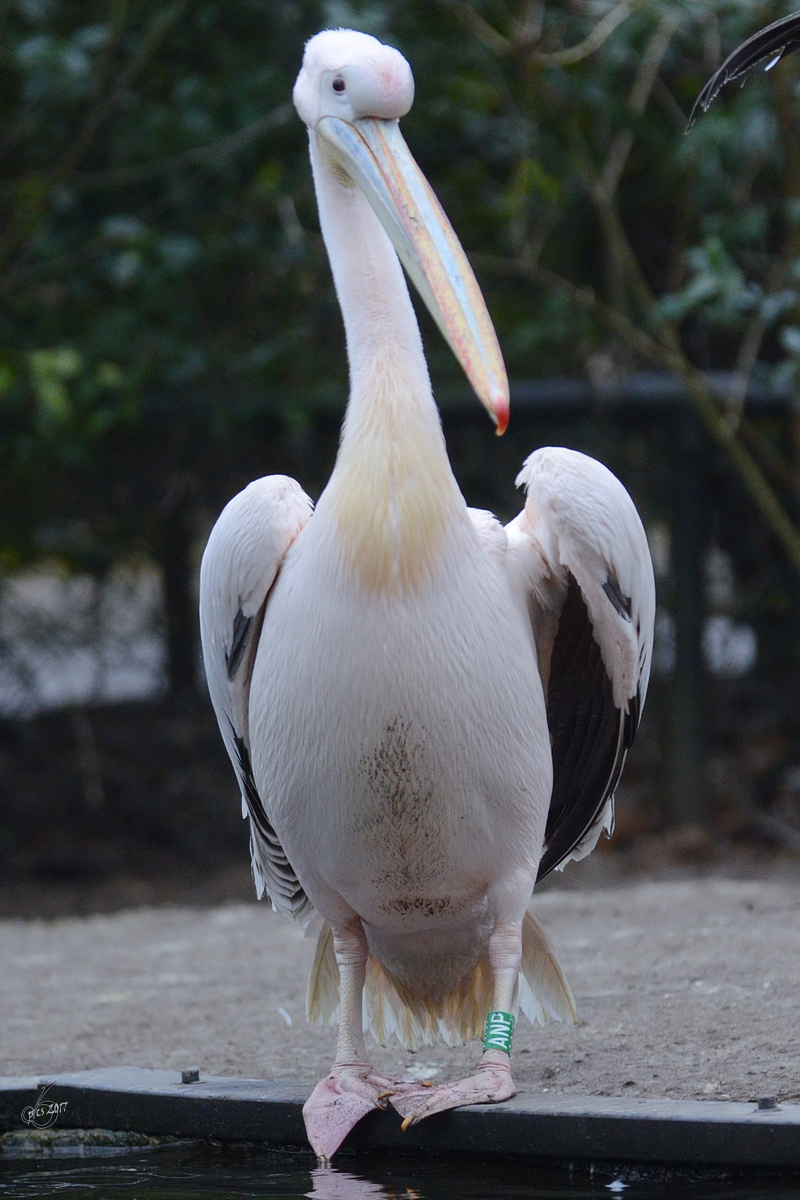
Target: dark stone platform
x: 553, y: 1126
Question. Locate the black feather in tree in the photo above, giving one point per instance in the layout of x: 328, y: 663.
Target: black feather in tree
x: 779, y: 38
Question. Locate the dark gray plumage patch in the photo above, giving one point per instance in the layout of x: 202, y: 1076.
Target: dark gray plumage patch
x: 283, y: 878
x: 426, y: 906
x: 633, y: 718
x: 241, y: 631
x: 614, y: 592
x: 400, y: 817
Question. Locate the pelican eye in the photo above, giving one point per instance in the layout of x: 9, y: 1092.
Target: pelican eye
x: 338, y: 85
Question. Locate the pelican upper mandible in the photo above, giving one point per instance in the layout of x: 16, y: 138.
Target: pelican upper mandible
x: 425, y: 710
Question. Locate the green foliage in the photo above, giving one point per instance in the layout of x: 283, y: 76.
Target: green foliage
x: 716, y: 286
x: 158, y: 233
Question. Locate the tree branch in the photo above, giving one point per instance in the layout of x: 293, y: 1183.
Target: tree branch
x: 527, y: 33
x: 208, y: 155
x: 478, y: 26
x: 593, y: 41
x: 640, y: 93
x: 672, y: 358
x: 33, y: 192
x: 160, y: 26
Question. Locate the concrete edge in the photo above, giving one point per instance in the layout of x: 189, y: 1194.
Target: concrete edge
x: 690, y: 1132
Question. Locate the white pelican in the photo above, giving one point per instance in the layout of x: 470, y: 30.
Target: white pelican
x: 398, y: 678
x: 773, y: 42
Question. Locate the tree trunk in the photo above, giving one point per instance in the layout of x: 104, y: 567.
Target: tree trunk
x: 175, y: 545
x: 688, y: 786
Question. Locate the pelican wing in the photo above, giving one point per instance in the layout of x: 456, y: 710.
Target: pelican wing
x: 777, y: 39
x: 581, y: 557
x: 241, y: 562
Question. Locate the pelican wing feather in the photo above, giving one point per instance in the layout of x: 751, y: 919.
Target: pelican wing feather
x: 581, y: 558
x: 241, y: 562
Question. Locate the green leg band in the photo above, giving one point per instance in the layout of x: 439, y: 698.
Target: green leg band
x: 497, y: 1031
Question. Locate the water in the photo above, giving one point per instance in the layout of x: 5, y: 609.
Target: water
x: 191, y: 1171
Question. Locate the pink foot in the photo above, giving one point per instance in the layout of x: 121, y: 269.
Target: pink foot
x: 490, y: 1084
x: 339, y: 1101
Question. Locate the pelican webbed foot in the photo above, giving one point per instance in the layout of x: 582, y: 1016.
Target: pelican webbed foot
x: 341, y: 1099
x: 491, y: 1083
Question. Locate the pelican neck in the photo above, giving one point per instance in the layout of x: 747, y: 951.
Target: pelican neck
x: 384, y: 347
x: 392, y: 494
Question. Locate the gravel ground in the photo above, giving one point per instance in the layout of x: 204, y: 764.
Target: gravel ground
x: 684, y: 989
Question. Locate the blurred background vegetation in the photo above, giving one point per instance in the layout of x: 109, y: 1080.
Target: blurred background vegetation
x: 168, y: 331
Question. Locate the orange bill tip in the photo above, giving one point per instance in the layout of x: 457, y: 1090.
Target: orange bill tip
x: 501, y: 413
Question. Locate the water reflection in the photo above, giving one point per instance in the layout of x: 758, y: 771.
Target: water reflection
x: 332, y: 1184
x: 228, y: 1172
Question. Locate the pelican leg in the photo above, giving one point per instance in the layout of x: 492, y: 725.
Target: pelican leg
x: 492, y: 1081
x: 339, y: 1101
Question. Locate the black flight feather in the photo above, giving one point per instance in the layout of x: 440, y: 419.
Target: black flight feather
x: 281, y: 874
x: 589, y: 734
x: 777, y: 39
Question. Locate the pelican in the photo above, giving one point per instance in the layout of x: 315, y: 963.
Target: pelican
x: 425, y: 710
x: 773, y: 42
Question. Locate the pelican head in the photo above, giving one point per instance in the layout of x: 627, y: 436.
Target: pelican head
x: 351, y: 92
